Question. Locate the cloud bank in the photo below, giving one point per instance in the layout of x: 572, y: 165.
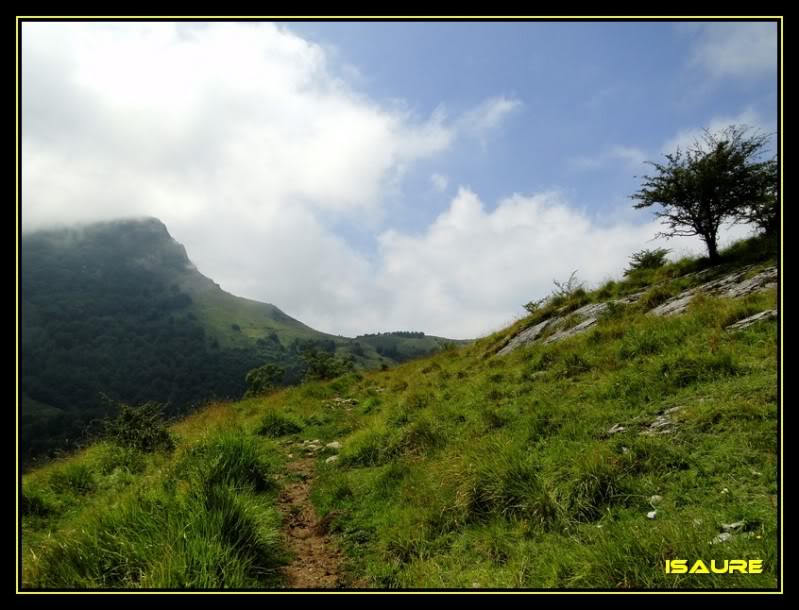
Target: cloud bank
x: 255, y: 152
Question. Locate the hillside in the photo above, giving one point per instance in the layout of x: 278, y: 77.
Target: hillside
x: 581, y: 447
x: 118, y: 309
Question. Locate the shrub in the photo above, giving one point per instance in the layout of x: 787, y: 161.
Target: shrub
x: 647, y: 259
x: 565, y: 290
x: 321, y: 366
x: 142, y: 427
x: 533, y: 306
x: 263, y: 379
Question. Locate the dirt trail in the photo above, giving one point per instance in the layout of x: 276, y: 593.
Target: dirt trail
x: 317, y: 561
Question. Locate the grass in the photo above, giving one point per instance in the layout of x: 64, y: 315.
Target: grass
x: 462, y: 470
x: 208, y: 521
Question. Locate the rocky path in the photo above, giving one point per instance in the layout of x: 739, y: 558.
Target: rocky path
x: 316, y: 560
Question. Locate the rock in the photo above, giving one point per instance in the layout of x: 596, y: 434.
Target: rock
x: 335, y: 445
x: 331, y: 459
x: 652, y: 514
x: 723, y: 537
x: 762, y: 281
x: 769, y: 314
x: 663, y: 423
x: 730, y: 285
x: 571, y: 332
x: 615, y: 428
x: 674, y: 306
x: 526, y: 337
x: 655, y: 500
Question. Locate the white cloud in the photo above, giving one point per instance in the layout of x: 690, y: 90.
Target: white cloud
x: 686, y: 137
x: 488, y: 116
x: 473, y: 268
x: 439, y: 182
x: 627, y: 157
x: 736, y: 50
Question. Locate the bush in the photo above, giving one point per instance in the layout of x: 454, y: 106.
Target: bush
x: 564, y: 290
x: 142, y: 427
x: 263, y: 379
x: 321, y: 366
x: 533, y: 306
x: 647, y: 259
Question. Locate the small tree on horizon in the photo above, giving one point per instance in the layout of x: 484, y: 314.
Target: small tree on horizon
x: 720, y: 178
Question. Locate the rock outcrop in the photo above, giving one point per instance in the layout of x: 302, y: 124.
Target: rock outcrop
x: 731, y: 285
x: 736, y: 284
x: 769, y: 314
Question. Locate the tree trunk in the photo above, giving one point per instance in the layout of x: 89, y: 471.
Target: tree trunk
x: 712, y: 248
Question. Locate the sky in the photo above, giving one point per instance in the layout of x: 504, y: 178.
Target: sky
x: 375, y: 176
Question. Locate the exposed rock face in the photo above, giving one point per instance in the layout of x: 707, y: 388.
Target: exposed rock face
x: 730, y: 285
x: 769, y: 314
x: 588, y: 315
x: 527, y: 336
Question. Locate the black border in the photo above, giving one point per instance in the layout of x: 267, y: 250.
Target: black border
x: 543, y: 19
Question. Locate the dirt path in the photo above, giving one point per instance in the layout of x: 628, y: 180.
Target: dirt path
x: 317, y: 561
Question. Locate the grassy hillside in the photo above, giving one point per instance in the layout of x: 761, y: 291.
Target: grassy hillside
x: 582, y: 464
x: 118, y: 309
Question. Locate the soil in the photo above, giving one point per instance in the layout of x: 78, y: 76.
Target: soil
x: 316, y: 560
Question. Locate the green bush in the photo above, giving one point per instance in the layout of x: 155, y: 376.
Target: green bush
x: 142, y: 427
x: 647, y: 259
x: 321, y: 365
x: 263, y: 379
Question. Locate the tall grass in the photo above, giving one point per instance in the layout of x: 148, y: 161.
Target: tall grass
x: 209, y: 521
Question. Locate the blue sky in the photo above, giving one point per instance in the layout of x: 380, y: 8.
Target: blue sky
x: 381, y: 176
x: 585, y: 88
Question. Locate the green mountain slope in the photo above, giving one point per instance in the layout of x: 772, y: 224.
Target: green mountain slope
x: 118, y: 309
x: 576, y: 460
